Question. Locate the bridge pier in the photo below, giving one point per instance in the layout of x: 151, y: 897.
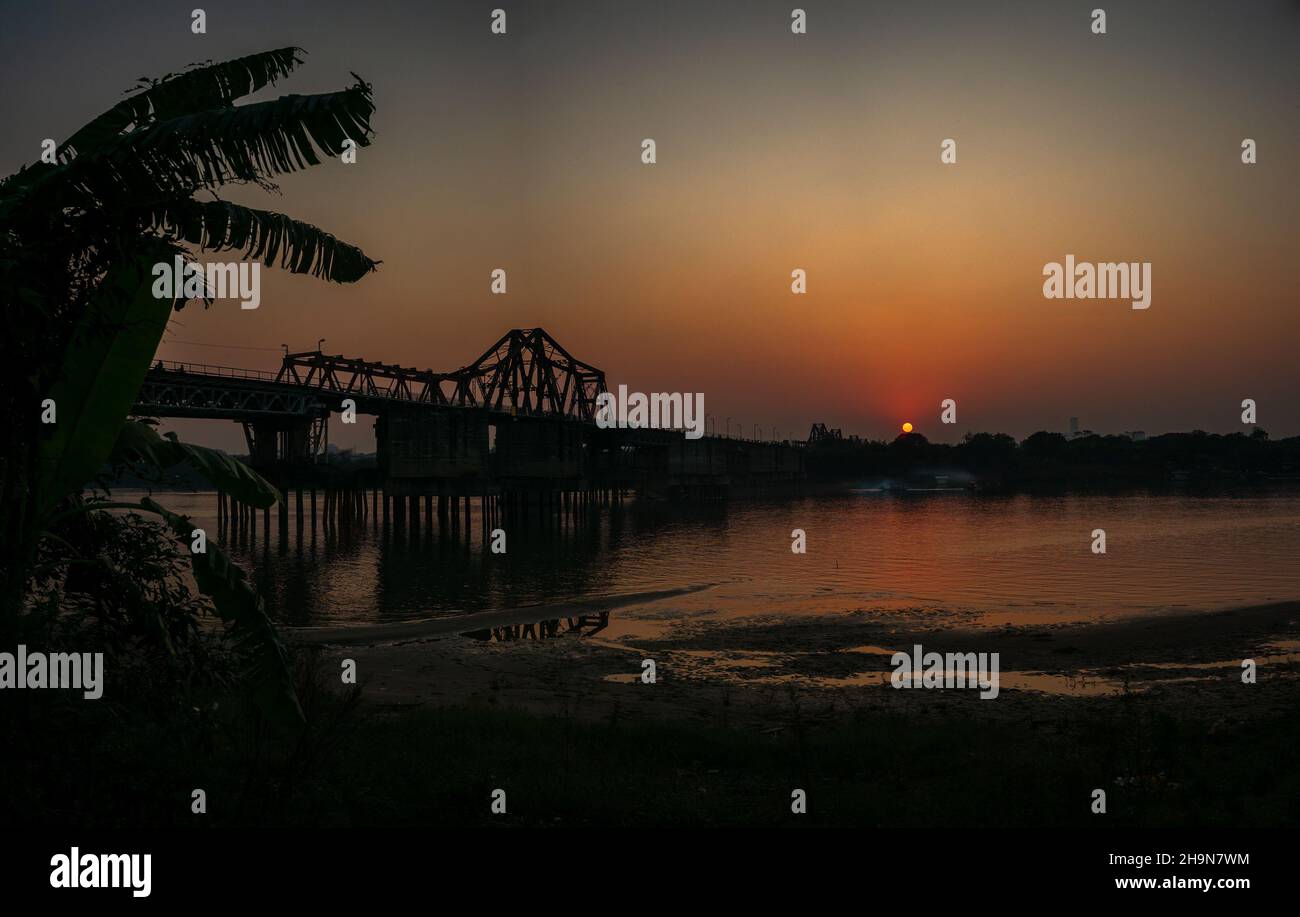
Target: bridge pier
x: 547, y: 503
x: 514, y: 428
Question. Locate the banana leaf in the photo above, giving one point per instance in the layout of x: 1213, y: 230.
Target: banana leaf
x: 139, y: 442
x: 261, y: 234
x: 176, y: 94
x: 242, y: 611
x: 101, y: 374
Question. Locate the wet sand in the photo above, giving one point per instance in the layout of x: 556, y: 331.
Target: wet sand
x: 762, y: 672
x: 458, y: 624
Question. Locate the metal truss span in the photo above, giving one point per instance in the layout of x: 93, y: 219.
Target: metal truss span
x: 526, y: 372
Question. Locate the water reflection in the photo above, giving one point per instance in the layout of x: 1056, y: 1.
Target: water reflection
x: 1014, y: 558
x: 582, y: 626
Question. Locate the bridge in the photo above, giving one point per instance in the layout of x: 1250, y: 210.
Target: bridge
x: 515, y: 428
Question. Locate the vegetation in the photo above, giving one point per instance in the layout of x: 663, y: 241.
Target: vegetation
x: 1052, y: 460
x: 79, y: 234
x: 252, y: 725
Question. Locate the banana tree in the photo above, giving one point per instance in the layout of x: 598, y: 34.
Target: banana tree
x: 78, y: 238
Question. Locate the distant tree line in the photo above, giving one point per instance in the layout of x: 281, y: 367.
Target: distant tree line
x: 1054, y: 460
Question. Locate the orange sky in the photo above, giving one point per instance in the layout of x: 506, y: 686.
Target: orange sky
x: 776, y: 152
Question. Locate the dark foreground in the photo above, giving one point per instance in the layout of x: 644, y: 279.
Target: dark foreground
x: 359, y: 766
x: 441, y: 722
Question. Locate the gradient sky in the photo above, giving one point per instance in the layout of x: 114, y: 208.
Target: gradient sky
x: 774, y: 152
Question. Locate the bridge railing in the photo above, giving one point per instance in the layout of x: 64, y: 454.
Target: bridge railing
x: 208, y: 369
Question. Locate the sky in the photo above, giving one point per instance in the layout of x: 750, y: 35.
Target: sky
x: 775, y: 151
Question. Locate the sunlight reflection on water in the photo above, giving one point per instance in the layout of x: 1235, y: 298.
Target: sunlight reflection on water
x: 1015, y: 559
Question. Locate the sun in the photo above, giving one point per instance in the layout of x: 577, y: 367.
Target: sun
x: 907, y: 427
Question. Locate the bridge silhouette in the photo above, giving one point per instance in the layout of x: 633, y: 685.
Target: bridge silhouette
x: 515, y: 429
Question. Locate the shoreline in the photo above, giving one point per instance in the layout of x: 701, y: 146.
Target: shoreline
x: 343, y: 634
x: 755, y: 671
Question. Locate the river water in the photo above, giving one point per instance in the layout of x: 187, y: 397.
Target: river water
x: 1000, y: 559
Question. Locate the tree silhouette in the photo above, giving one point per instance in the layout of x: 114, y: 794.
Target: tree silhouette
x: 80, y: 232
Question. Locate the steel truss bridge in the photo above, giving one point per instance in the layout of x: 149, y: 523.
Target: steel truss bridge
x: 524, y: 410
x: 525, y: 372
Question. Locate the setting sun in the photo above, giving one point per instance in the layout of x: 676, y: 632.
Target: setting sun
x: 907, y: 427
